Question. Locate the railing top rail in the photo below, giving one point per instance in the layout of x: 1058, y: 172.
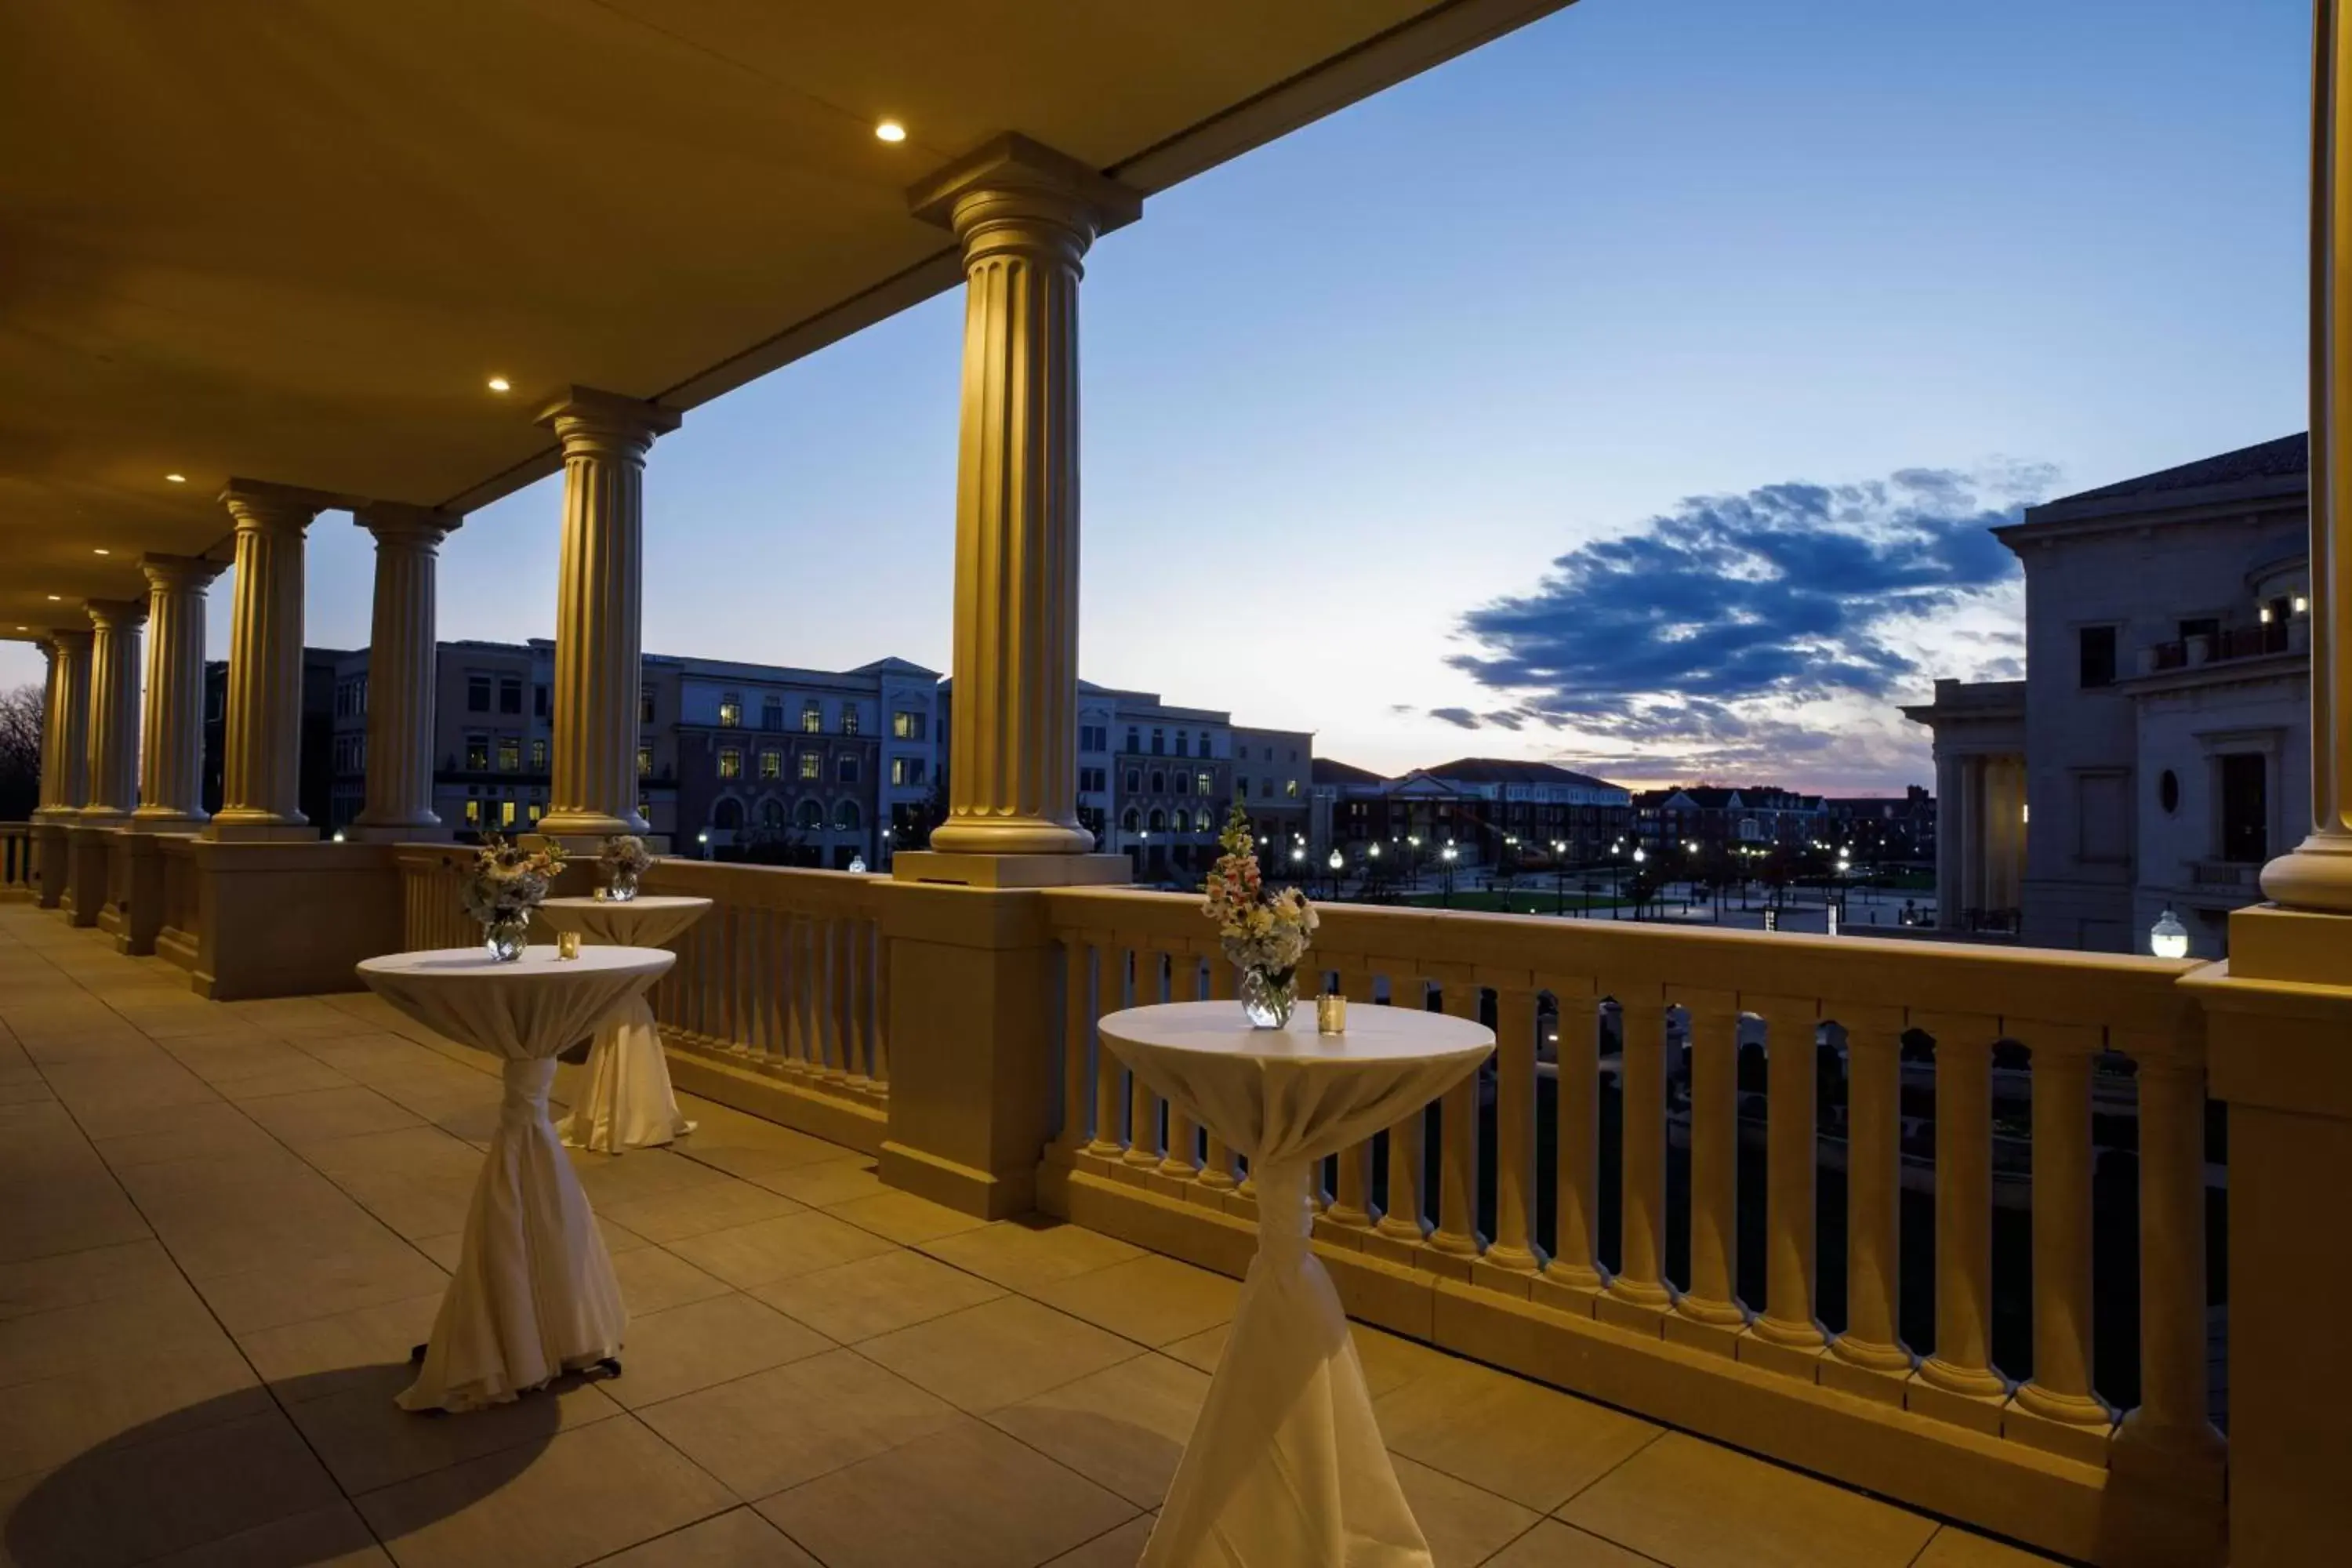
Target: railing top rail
x: 803, y: 889
x: 2118, y: 992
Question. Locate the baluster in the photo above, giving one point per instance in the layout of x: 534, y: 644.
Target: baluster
x: 808, y: 1046
x: 1189, y: 976
x: 1713, y: 1298
x: 881, y: 1085
x: 857, y: 995
x: 1351, y: 1207
x: 1574, y: 1275
x: 1077, y: 1037
x: 1962, y: 1364
x: 1873, y: 1180
x: 1456, y: 1235
x: 2174, y: 1413
x: 840, y: 981
x: 1639, y: 1291
x: 1513, y: 1249
x: 755, y: 994
x: 1402, y: 1230
x: 1217, y: 1167
x: 1791, y: 1151
x: 1111, y: 996
x: 731, y: 995
x: 2060, y: 1389
x: 1143, y: 1106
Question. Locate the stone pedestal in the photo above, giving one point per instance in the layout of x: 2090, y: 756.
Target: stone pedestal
x: 88, y: 845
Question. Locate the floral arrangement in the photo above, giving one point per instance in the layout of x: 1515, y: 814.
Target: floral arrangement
x: 625, y: 853
x: 1265, y: 932
x: 509, y: 882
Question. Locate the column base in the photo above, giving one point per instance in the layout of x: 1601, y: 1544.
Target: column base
x: 975, y: 870
x: 2317, y: 874
x: 101, y: 816
x: 221, y: 832
x: 1010, y: 835
x: 161, y: 819
x: 573, y: 828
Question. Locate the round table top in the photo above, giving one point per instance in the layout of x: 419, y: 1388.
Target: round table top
x: 1374, y: 1034
x: 668, y: 901
x: 539, y: 961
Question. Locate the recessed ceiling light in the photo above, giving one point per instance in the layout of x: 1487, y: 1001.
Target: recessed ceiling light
x: 500, y: 383
x: 56, y: 597
x: 890, y: 131
x: 176, y: 479
x: 102, y: 549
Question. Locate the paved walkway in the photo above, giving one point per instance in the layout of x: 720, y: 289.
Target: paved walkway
x: 222, y: 1226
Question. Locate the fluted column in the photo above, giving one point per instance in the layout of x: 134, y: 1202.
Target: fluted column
x: 599, y: 606
x: 403, y: 672
x: 172, y: 748
x: 1948, y: 842
x: 65, y: 726
x: 1025, y: 216
x: 113, y: 738
x: 1972, y: 833
x: 261, y: 744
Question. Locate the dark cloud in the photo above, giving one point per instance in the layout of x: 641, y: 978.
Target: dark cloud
x: 1689, y: 631
x: 1461, y: 716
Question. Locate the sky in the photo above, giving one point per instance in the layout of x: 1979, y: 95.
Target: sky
x: 1633, y: 393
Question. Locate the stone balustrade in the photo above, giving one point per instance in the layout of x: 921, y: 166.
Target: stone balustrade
x: 20, y: 866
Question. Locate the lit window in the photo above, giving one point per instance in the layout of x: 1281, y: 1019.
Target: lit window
x: 644, y: 761
x: 1291, y: 789
x: 849, y: 719
x: 731, y: 711
x: 730, y: 763
x: 510, y: 754
x: 812, y: 766
x: 1205, y: 783
x: 535, y: 809
x: 506, y: 813
x: 477, y: 754
x: 907, y: 726
x: 811, y: 717
x: 539, y: 756
x: 772, y: 765
x: 473, y: 814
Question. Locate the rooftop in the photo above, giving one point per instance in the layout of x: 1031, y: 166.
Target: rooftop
x: 2288, y: 457
x: 820, y: 1370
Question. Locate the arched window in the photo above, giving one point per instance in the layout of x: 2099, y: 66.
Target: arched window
x: 771, y: 813
x: 809, y: 814
x: 1158, y: 820
x: 1132, y: 820
x: 1159, y: 783
x: 846, y: 818
x: 727, y: 812
x: 1183, y: 823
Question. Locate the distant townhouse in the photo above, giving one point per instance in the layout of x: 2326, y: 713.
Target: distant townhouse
x: 1713, y: 816
x: 1491, y: 810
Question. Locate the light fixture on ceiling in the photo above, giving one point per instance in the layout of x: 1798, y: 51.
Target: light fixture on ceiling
x: 500, y: 383
x: 890, y: 131
x: 56, y: 597
x: 175, y: 478
x: 102, y: 549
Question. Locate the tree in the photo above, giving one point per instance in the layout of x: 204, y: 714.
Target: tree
x: 20, y: 751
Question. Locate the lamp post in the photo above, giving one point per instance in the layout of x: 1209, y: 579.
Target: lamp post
x: 1337, y: 863
x: 1639, y: 854
x: 1559, y: 876
x: 703, y: 840
x: 2167, y: 937
x: 1413, y: 858
x: 1448, y: 858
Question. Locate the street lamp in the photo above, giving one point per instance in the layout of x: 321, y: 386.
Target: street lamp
x: 703, y: 838
x: 2167, y: 937
x: 1448, y: 858
x: 1558, y: 877
x: 1337, y: 862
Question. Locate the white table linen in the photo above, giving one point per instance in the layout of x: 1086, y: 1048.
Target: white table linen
x: 624, y: 1101
x: 1286, y: 1467
x: 533, y: 1294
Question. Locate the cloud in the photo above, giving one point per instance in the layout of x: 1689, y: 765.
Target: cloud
x: 1461, y: 716
x: 1737, y: 632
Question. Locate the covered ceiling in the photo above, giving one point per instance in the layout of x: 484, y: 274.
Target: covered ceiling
x: 293, y: 240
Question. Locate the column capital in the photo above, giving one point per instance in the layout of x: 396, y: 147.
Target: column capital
x: 398, y: 522
x: 267, y: 508
x: 71, y: 639
x: 112, y: 614
x: 1009, y: 188
x: 184, y: 572
x: 604, y: 424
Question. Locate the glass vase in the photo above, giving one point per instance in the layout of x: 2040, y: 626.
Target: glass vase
x: 505, y: 938
x: 622, y: 885
x: 1269, y: 995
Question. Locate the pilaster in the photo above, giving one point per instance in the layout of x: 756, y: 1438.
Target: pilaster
x: 599, y: 632
x: 172, y: 755
x: 402, y: 673
x: 1025, y: 216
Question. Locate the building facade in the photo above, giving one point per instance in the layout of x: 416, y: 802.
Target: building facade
x: 1491, y: 811
x: 2160, y: 753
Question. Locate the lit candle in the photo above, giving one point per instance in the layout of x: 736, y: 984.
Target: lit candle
x: 1331, y: 1015
x: 567, y: 944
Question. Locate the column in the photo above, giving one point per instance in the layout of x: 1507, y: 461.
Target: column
x: 1025, y: 216
x: 113, y: 738
x: 1972, y: 838
x: 600, y: 592
x: 172, y: 755
x: 2317, y: 873
x: 261, y: 743
x: 1948, y: 842
x: 403, y: 673
x: 65, y: 726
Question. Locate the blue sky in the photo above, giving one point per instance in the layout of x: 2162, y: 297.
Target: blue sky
x: 1349, y: 399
